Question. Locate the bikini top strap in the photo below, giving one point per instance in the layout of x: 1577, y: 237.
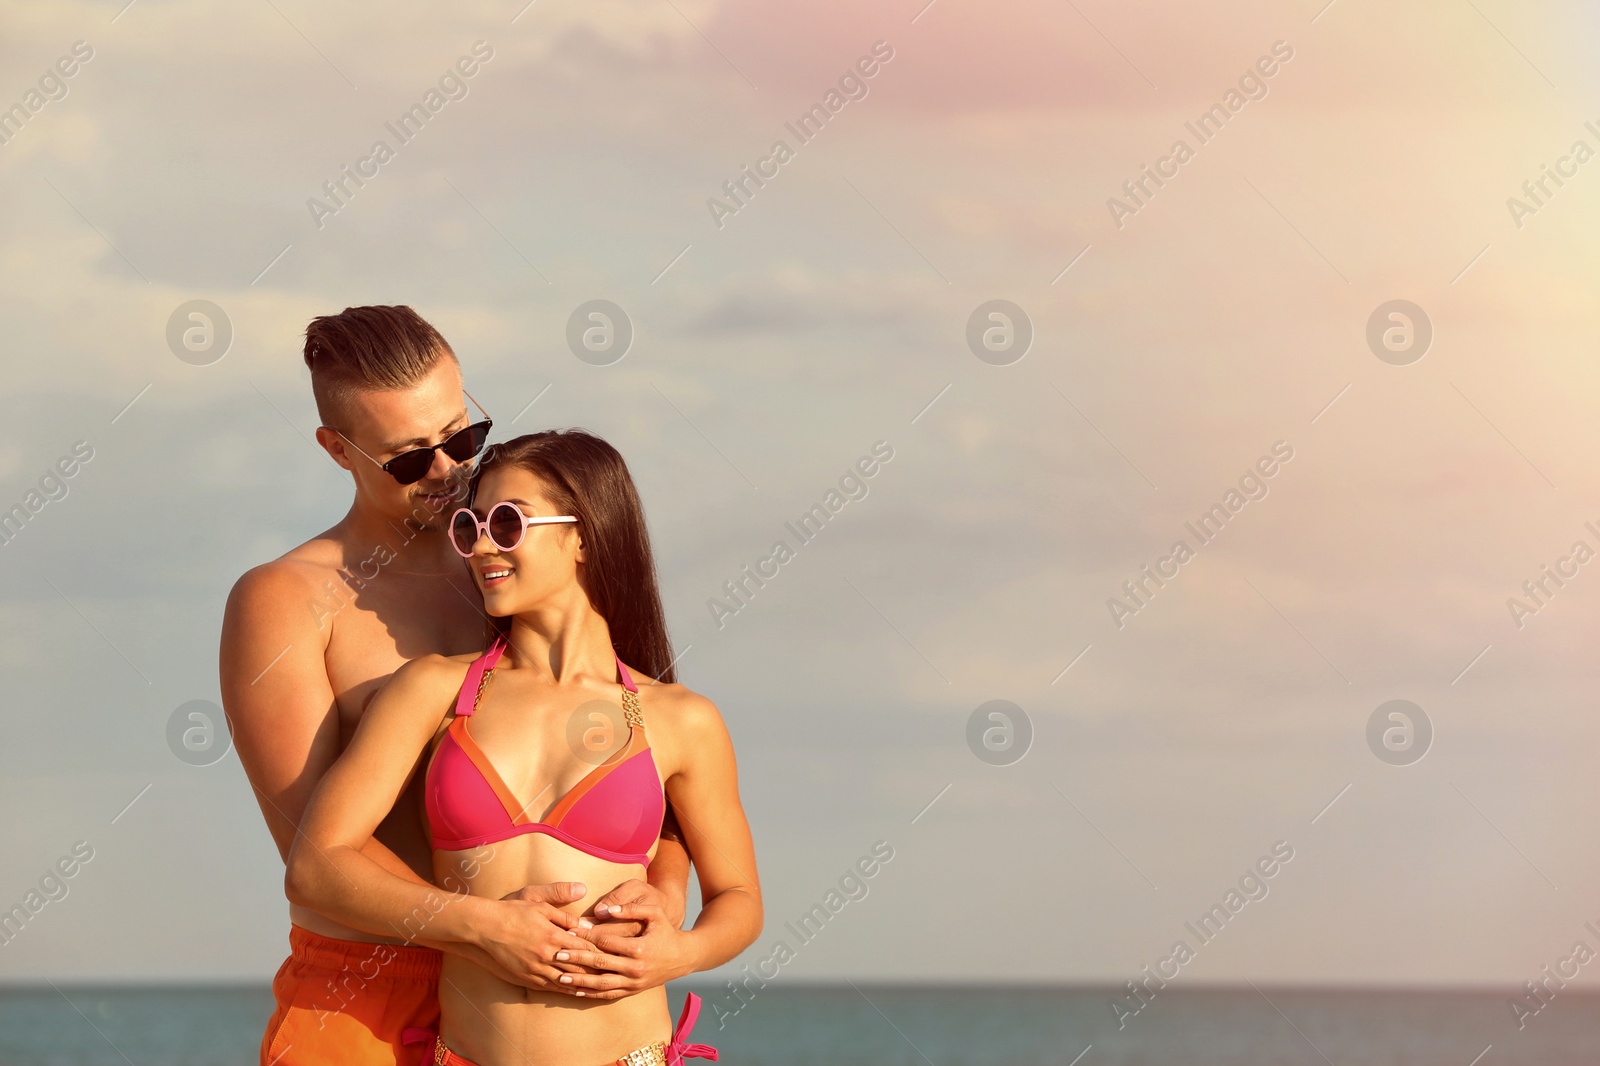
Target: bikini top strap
x: 627, y: 678
x: 630, y: 696
x: 477, y: 677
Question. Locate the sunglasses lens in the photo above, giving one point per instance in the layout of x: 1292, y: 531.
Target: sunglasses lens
x: 506, y: 526
x: 463, y: 532
x: 411, y: 467
x: 467, y: 443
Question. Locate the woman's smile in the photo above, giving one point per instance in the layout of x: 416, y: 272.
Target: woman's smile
x: 495, y: 574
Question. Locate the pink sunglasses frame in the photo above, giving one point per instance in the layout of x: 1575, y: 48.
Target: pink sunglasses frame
x: 483, y: 526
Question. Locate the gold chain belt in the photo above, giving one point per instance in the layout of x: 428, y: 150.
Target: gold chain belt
x: 650, y: 1055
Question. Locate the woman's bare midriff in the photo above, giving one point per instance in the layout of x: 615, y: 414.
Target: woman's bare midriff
x: 494, y: 1023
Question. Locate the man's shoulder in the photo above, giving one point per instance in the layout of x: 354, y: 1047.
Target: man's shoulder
x: 289, y: 586
x: 300, y: 568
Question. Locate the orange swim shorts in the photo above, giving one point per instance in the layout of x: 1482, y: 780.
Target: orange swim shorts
x: 345, y: 1003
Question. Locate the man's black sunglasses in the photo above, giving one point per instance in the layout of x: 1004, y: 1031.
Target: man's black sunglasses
x: 410, y: 467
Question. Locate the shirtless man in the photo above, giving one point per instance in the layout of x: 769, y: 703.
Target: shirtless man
x: 308, y: 638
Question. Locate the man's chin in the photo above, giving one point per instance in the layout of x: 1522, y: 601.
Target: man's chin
x: 433, y: 509
x: 423, y: 519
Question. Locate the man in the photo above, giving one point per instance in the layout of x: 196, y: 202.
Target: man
x: 308, y: 638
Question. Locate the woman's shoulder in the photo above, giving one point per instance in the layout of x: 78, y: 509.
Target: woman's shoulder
x: 419, y: 689
x: 677, y: 707
x: 432, y: 671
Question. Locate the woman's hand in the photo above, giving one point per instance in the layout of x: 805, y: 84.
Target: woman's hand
x: 620, y: 962
x: 524, y: 934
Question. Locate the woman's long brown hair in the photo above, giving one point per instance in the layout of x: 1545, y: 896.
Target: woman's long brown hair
x: 588, y: 478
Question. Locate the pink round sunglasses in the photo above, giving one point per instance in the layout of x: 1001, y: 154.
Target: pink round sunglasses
x: 505, y: 527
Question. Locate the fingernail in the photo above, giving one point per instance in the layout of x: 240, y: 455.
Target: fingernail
x: 584, y: 923
x: 601, y: 909
x: 565, y: 979
x: 561, y: 956
x: 577, y: 993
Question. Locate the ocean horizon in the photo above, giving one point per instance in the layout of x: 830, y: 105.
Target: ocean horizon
x: 888, y: 1024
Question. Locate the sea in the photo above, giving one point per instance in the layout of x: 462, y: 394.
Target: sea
x: 867, y: 1024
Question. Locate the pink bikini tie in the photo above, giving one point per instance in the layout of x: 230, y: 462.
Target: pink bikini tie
x: 677, y: 1051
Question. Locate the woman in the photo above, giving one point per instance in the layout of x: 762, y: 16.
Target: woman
x: 533, y: 775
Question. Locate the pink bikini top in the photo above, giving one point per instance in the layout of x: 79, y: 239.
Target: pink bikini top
x: 614, y: 813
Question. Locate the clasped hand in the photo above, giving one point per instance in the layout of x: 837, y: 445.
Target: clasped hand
x: 633, y: 942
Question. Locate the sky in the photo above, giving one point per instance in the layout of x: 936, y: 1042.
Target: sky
x: 1182, y: 340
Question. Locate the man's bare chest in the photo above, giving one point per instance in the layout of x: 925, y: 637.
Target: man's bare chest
x: 377, y: 630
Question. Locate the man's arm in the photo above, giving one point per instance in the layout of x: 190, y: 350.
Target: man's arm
x: 669, y: 870
x: 276, y: 694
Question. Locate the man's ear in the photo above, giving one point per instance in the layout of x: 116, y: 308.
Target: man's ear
x: 334, y: 445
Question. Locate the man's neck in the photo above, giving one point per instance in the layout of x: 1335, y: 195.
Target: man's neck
x: 414, y: 550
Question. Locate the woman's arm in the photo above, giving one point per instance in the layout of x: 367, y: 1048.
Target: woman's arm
x: 331, y: 870
x: 285, y: 726
x: 704, y: 792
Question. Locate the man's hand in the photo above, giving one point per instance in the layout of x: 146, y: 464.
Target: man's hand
x: 638, y: 946
x: 524, y: 932
x: 636, y: 891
